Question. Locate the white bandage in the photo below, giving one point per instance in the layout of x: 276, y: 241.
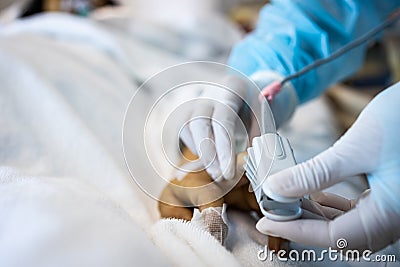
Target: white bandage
x: 212, y: 220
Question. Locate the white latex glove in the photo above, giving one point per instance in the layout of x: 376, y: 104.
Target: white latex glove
x: 372, y: 147
x: 210, y: 133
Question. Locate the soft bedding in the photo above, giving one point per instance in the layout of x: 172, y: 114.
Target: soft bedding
x: 66, y: 196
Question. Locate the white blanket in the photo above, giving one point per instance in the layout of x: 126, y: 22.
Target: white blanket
x: 68, y: 199
x: 65, y: 83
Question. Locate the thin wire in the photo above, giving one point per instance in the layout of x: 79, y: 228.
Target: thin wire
x: 386, y: 23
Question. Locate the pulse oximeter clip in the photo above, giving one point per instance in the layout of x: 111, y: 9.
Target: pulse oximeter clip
x: 271, y: 153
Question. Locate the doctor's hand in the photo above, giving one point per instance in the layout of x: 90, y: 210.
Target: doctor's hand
x: 372, y: 147
x: 210, y: 129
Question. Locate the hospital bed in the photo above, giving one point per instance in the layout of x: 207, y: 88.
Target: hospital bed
x: 66, y: 196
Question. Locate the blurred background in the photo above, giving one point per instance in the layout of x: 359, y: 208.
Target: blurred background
x: 189, y: 20
x: 381, y: 68
x: 68, y: 69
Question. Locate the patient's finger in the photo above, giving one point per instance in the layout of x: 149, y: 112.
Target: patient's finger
x: 332, y: 200
x: 197, y: 190
x: 223, y: 126
x: 172, y: 211
x: 319, y: 210
x: 311, y: 215
x: 169, y: 211
x: 241, y: 198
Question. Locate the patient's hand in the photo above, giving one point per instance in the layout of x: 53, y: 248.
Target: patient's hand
x: 173, y: 194
x: 239, y: 197
x: 209, y: 200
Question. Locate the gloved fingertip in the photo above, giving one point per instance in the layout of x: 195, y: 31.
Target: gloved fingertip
x: 283, y: 184
x: 273, y: 184
x: 212, y: 174
x: 228, y: 168
x: 228, y: 177
x: 230, y: 173
x: 270, y: 188
x: 212, y: 168
x: 215, y: 173
x: 262, y: 226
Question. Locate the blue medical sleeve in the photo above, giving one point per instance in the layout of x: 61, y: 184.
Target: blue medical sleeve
x: 293, y: 33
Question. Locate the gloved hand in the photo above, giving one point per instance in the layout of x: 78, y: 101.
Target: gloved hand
x: 210, y: 133
x: 205, y: 207
x: 372, y: 147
